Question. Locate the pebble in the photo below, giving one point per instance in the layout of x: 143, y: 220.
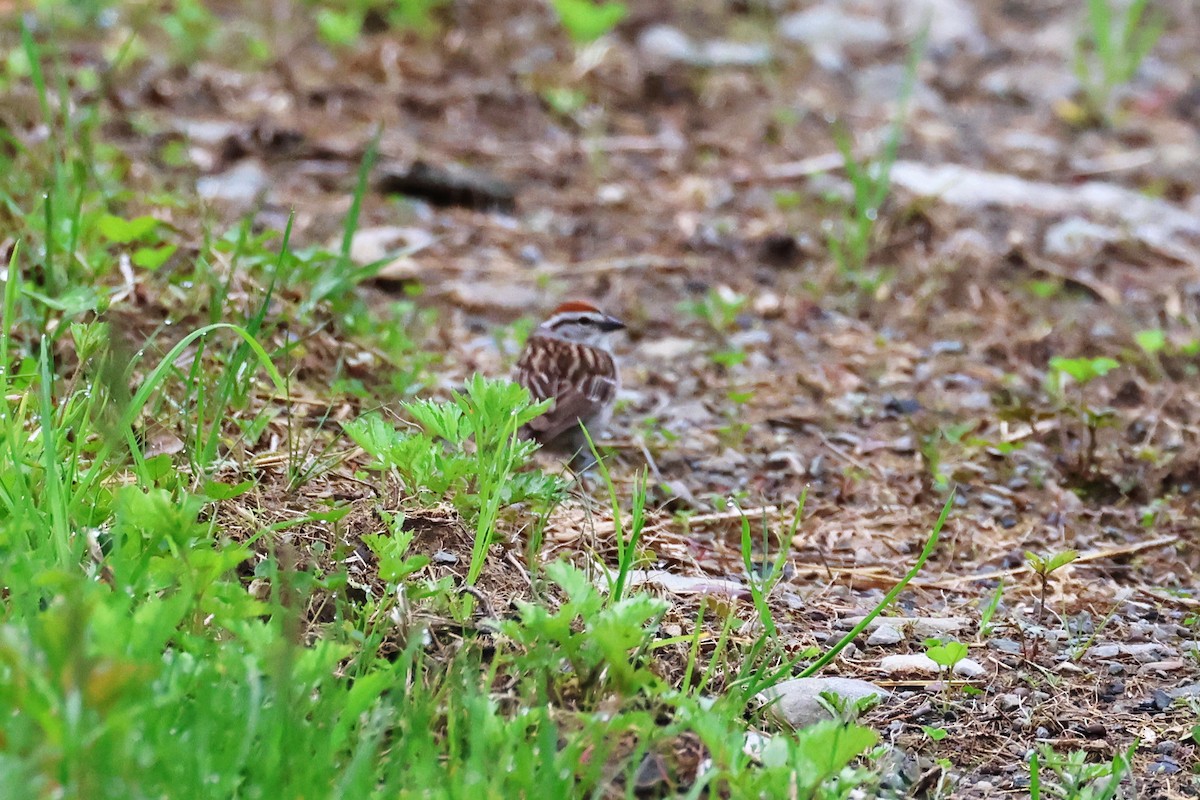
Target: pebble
x: 1150, y: 221
x: 1143, y: 653
x: 1008, y: 702
x: 908, y: 663
x: 884, y: 635
x: 444, y: 557
x: 663, y: 45
x: 375, y: 244
x: 238, y: 185
x: 1164, y: 766
x: 668, y: 348
x: 831, y: 34
x: 1077, y: 239
x: 917, y: 627
x: 951, y: 24
x: 1187, y: 690
x: 531, y: 254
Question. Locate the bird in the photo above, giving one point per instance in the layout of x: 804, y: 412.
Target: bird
x: 568, y: 359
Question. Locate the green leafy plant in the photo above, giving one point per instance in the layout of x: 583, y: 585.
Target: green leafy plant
x: 851, y: 242
x: 1116, y: 40
x: 763, y: 581
x: 466, y: 451
x: 1073, y: 777
x: 585, y: 21
x: 626, y: 538
x: 946, y: 654
x: 1043, y: 567
x: 936, y: 734
x: 587, y: 632
x: 988, y: 612
x: 192, y: 28
x: 340, y: 22
x: 933, y: 449
x: 1152, y: 341
x: 1080, y: 372
x: 718, y: 309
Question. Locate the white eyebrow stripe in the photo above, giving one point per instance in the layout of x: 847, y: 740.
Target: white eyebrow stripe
x: 566, y: 316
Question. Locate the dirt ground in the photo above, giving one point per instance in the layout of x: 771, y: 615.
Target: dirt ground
x: 657, y: 183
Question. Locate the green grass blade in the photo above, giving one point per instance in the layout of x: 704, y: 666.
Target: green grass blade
x: 926, y: 552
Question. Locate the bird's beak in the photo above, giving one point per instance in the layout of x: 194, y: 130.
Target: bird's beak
x: 609, y: 324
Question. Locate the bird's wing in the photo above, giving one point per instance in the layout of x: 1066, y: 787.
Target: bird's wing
x: 572, y: 404
x: 581, y: 381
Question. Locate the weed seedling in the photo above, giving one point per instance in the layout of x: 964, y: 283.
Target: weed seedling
x: 1081, y: 372
x: 762, y: 581
x: 851, y: 243
x: 1074, y: 777
x: 1118, y: 37
x: 1044, y: 567
x: 945, y: 655
x: 585, y: 21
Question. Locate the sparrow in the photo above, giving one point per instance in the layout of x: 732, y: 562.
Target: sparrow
x: 568, y: 359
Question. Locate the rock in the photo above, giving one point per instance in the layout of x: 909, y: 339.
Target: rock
x: 729, y: 461
x: 1148, y: 220
x: 1142, y: 653
x: 799, y: 702
x: 831, y: 34
x: 909, y: 663
x: 952, y: 23
x: 768, y: 305
x: 918, y: 627
x: 668, y: 348
x: 488, y: 295
x: 745, y: 340
x: 1187, y: 690
x: 755, y: 744
x: 1008, y: 702
x: 727, y: 53
x: 919, y: 663
x: 612, y: 194
x: 239, y: 185
x: 531, y: 254
x: 207, y: 132
x: 969, y: 668
x: 375, y: 244
x: 1077, y: 239
x: 663, y: 45
x: 682, y: 584
x: 1035, y: 82
x: 884, y: 635
x: 1164, y: 766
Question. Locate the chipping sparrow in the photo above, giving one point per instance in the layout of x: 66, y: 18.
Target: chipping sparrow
x: 568, y: 359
